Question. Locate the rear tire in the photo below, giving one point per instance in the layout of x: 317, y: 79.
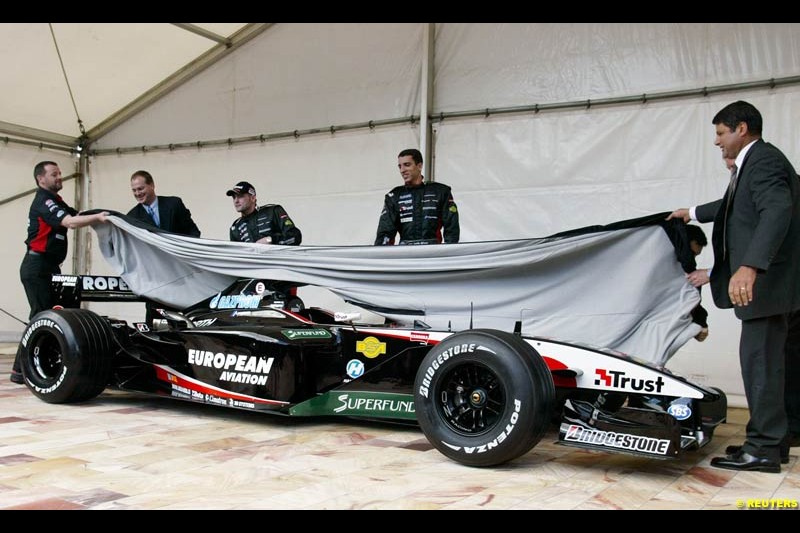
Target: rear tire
x: 66, y: 355
x: 483, y: 397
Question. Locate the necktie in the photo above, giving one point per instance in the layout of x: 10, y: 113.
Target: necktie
x: 731, y: 190
x: 732, y: 184
x: 153, y: 214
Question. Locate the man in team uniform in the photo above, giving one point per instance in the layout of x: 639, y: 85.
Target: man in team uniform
x: 268, y: 224
x: 417, y: 210
x: 49, y: 218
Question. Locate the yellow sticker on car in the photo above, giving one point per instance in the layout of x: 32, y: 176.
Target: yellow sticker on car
x: 371, y: 347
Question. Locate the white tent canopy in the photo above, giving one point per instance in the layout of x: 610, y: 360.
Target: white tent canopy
x: 102, y: 67
x: 538, y: 128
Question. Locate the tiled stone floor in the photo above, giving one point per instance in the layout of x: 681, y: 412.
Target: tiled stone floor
x: 125, y: 451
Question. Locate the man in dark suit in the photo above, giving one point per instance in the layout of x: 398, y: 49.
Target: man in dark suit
x: 166, y: 212
x: 756, y: 240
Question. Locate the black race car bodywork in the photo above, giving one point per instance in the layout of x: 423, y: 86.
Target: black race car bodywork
x: 482, y: 397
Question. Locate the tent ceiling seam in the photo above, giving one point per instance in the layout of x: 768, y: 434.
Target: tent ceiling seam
x: 66, y: 79
x: 38, y: 144
x: 197, y: 30
x: 230, y: 141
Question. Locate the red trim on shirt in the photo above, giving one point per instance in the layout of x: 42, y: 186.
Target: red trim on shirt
x: 39, y: 243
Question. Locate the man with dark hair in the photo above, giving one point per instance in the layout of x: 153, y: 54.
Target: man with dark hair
x: 165, y: 212
x: 756, y: 242
x: 697, y: 241
x: 697, y: 238
x: 269, y: 224
x: 419, y: 211
x: 49, y: 218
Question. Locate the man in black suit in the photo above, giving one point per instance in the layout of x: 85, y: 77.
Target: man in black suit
x: 756, y: 240
x: 166, y: 212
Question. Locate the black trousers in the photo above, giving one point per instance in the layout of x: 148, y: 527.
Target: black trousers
x: 792, y: 389
x: 35, y: 272
x: 762, y: 354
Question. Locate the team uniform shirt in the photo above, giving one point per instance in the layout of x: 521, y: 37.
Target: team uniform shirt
x: 46, y: 235
x: 419, y: 214
x: 268, y: 220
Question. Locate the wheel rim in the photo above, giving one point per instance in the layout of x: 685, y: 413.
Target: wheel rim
x: 47, y: 362
x: 472, y: 400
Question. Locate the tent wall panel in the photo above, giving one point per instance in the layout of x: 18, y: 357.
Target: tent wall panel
x: 318, y: 180
x: 482, y: 65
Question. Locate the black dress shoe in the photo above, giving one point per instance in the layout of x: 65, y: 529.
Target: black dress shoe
x: 16, y: 377
x: 743, y: 461
x: 733, y: 450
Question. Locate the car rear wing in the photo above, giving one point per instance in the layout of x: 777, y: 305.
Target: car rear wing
x: 70, y: 290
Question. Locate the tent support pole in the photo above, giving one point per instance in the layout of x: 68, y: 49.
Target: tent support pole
x: 426, y: 99
x: 81, y: 255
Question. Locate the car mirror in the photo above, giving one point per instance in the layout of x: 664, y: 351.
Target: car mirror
x: 176, y: 318
x: 346, y: 317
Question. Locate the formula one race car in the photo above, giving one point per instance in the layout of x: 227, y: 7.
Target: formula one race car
x: 481, y: 397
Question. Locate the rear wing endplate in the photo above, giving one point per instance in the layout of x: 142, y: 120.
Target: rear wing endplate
x: 70, y: 290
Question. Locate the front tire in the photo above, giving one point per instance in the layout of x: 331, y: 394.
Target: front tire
x: 483, y: 397
x: 66, y: 355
